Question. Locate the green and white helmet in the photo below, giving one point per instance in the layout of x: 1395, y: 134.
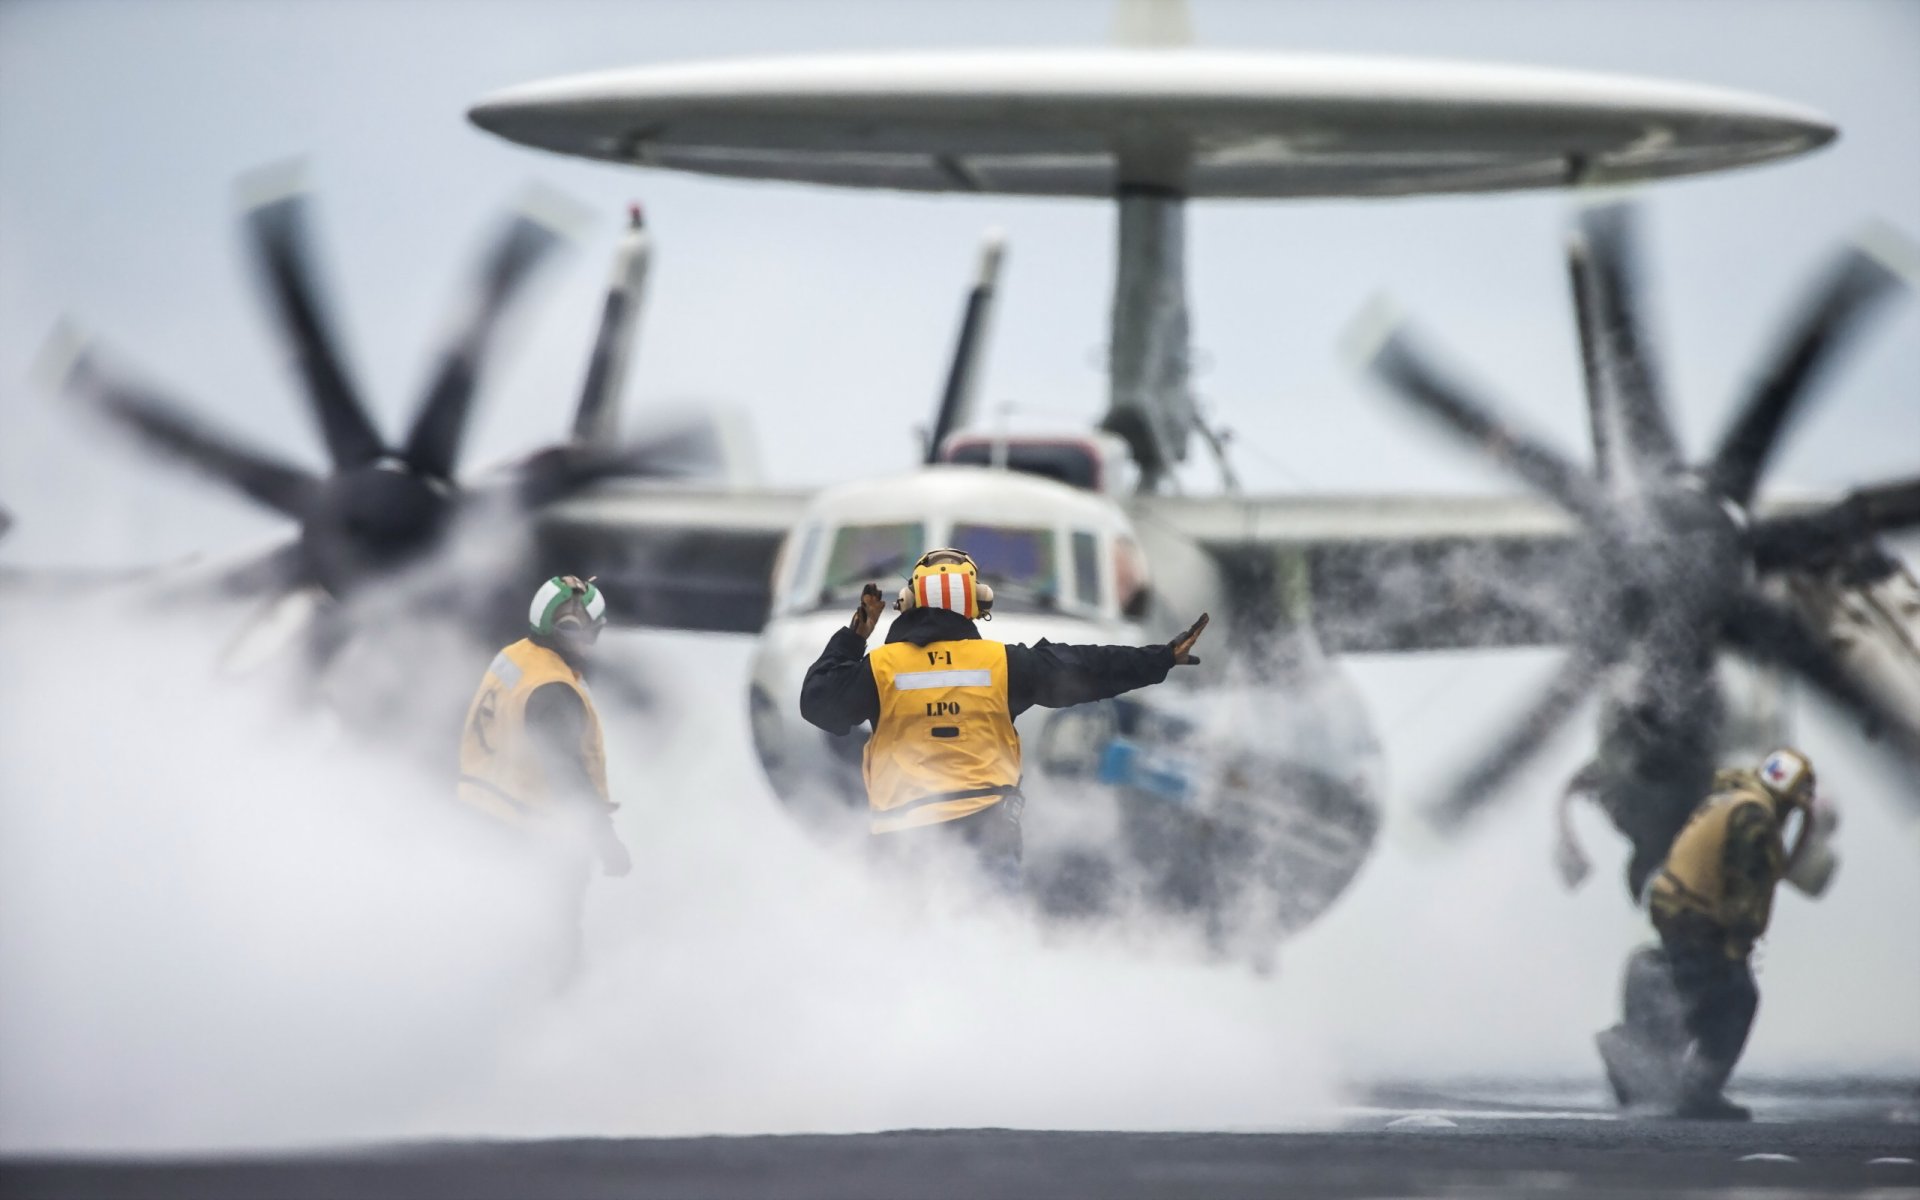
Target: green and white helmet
x: 567, y: 604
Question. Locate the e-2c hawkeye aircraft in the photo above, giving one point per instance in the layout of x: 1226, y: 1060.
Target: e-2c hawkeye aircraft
x: 1246, y: 803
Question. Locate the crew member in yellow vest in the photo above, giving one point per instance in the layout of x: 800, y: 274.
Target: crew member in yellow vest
x: 1690, y: 1003
x: 532, y: 756
x: 943, y: 761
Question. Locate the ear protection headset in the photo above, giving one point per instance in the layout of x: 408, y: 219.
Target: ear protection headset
x: 947, y: 578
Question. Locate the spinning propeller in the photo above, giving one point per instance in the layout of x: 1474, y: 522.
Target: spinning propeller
x: 1672, y: 555
x: 389, y: 505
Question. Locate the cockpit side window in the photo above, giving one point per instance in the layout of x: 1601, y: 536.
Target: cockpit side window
x: 798, y: 575
x: 864, y: 554
x: 1019, y: 564
x: 1086, y: 568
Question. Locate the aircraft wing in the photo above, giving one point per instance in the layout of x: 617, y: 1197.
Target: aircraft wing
x: 1386, y: 573
x: 674, y: 556
x: 1392, y: 572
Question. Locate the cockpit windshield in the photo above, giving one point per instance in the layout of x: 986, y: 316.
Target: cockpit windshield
x: 864, y: 554
x: 1018, y: 564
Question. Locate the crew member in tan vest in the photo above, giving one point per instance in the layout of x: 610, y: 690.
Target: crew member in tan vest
x: 1690, y: 1003
x: 532, y: 756
x: 943, y: 763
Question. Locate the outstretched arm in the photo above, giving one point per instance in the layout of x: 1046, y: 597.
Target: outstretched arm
x: 839, y: 692
x: 1056, y: 676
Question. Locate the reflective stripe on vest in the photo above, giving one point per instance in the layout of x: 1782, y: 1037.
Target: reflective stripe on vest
x: 944, y: 746
x: 500, y: 770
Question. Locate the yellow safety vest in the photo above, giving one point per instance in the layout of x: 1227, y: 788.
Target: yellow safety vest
x: 944, y: 746
x: 500, y: 770
x: 1692, y: 881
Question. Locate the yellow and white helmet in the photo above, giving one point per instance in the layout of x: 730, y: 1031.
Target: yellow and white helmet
x: 947, y: 578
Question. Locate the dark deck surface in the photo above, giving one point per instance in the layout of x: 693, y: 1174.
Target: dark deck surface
x: 1525, y: 1144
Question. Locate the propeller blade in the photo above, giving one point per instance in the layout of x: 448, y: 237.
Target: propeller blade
x: 681, y: 450
x: 1762, y: 630
x: 166, y: 428
x: 279, y: 225
x: 1857, y: 284
x: 327, y: 633
x: 685, y: 450
x: 1379, y: 344
x: 1599, y: 426
x: 1804, y: 539
x: 963, y: 373
x: 276, y: 571
x: 270, y: 574
x: 277, y: 629
x: 433, y: 447
x: 1549, y: 710
x: 1630, y: 388
x: 597, y: 418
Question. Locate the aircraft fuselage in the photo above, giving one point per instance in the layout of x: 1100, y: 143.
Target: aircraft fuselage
x: 1238, y: 797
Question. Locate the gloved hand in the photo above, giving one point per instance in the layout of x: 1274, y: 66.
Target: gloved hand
x: 1183, y: 645
x: 868, y: 614
x: 614, y: 859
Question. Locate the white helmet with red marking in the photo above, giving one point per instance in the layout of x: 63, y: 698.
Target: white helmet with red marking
x: 1788, y: 774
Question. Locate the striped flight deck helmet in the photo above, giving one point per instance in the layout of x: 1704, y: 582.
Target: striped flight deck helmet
x: 568, y: 606
x: 947, y: 578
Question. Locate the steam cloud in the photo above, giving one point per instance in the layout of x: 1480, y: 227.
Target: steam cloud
x: 224, y: 924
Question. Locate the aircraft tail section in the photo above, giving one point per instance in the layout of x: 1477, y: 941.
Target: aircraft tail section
x: 596, y: 418
x: 963, y: 373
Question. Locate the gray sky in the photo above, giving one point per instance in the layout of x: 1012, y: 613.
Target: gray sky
x: 826, y: 315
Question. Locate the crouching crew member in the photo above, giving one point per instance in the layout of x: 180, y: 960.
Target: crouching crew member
x: 1691, y: 1002
x: 532, y: 756
x: 944, y: 760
